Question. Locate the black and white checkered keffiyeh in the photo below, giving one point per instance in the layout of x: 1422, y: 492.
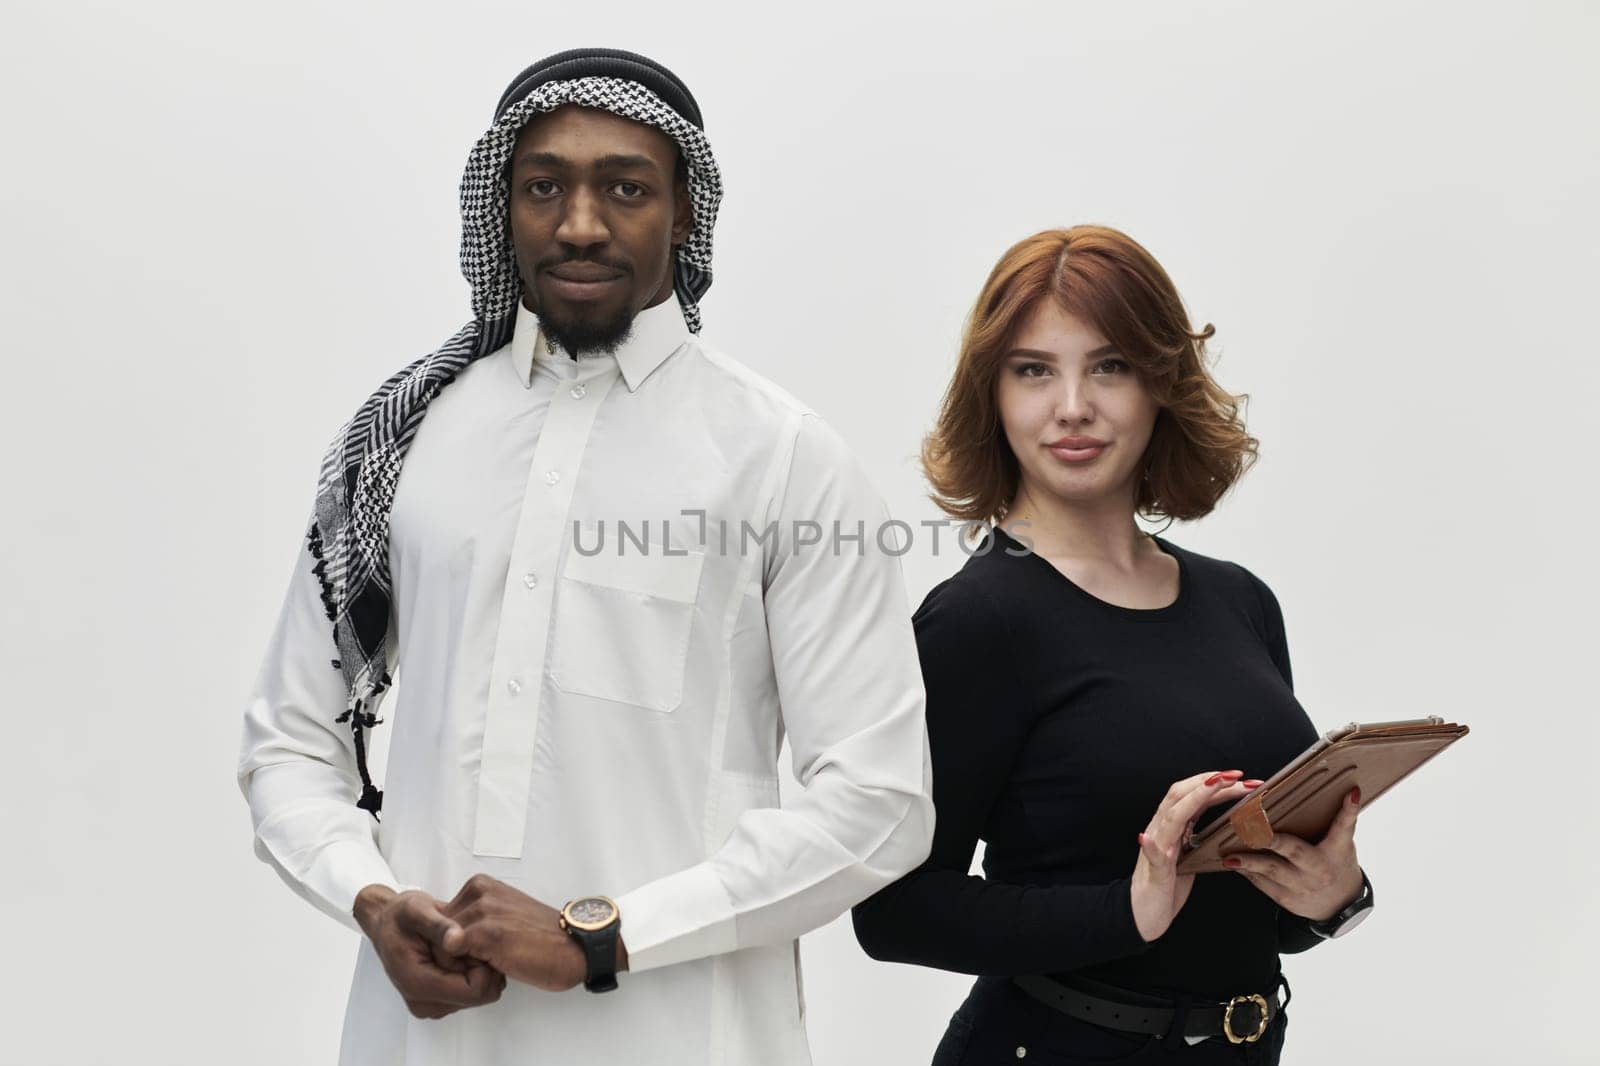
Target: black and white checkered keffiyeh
x: 349, y: 533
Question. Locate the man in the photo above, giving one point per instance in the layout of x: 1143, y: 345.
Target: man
x: 614, y: 569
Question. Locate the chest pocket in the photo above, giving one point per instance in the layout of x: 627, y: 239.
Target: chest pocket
x: 623, y: 624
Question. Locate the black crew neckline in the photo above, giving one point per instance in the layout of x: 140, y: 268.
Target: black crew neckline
x: 1132, y: 614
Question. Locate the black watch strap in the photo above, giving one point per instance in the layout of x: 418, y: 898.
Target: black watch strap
x: 600, y: 954
x: 1363, y: 902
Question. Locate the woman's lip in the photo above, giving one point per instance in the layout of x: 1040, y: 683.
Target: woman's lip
x: 581, y: 290
x: 1078, y: 455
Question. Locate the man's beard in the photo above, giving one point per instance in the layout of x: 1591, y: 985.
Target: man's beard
x: 578, y: 337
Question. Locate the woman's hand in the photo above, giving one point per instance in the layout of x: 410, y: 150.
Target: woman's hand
x: 1315, y: 881
x: 1159, y: 891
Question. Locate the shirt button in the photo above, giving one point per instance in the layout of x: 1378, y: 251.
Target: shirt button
x: 530, y: 579
x: 513, y: 686
x: 578, y: 391
x: 552, y: 477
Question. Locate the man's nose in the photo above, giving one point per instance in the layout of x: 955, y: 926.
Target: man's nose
x: 583, y: 221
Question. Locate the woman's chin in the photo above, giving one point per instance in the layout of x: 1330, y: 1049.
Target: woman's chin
x: 1086, y: 491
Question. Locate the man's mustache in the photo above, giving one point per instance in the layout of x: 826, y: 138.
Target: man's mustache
x: 553, y: 261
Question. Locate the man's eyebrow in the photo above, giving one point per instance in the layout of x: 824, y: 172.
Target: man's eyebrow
x: 541, y: 159
x: 626, y: 162
x: 615, y: 161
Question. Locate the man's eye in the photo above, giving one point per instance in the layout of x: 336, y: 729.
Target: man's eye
x: 542, y: 187
x: 629, y: 190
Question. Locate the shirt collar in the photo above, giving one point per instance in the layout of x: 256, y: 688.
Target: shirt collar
x: 657, y: 332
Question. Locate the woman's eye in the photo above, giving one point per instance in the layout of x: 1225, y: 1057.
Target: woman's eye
x: 1032, y: 370
x: 1111, y: 366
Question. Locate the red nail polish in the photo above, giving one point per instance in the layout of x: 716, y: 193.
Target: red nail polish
x: 1234, y: 774
x: 1355, y: 795
x: 1253, y: 783
x: 1213, y: 779
x: 1232, y: 863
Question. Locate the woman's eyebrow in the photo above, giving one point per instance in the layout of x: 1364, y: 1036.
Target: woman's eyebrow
x: 1038, y: 353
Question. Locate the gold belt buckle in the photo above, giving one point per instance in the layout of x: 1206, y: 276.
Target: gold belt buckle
x: 1227, y: 1019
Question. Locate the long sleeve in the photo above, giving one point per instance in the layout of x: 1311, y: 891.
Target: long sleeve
x: 1294, y: 932
x: 297, y: 766
x: 845, y: 663
x: 939, y: 915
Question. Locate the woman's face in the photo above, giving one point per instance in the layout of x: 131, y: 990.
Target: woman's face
x: 1075, y: 413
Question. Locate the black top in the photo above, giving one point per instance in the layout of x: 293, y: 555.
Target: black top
x: 1057, y: 722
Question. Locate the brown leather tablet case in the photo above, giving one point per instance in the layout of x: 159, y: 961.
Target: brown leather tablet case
x: 1303, y: 797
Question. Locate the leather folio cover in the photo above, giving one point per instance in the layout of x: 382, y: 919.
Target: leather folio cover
x: 1303, y: 797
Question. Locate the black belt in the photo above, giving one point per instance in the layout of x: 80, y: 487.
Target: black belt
x: 1243, y: 1019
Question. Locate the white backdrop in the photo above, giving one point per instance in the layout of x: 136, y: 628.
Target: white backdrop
x: 225, y: 223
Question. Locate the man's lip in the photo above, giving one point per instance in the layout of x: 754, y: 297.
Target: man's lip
x: 584, y: 272
x: 564, y: 285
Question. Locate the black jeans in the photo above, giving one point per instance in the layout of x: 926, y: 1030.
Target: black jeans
x: 1001, y: 1025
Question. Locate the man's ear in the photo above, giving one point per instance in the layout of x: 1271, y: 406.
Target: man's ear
x: 682, y: 212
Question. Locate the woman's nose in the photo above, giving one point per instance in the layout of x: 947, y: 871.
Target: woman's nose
x: 1072, y: 404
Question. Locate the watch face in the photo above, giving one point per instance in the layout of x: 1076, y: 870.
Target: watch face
x: 1351, y: 922
x: 592, y: 912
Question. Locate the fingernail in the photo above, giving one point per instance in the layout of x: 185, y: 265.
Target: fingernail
x: 1213, y: 779
x: 1232, y: 863
x: 1252, y: 783
x: 1235, y: 774
x: 1355, y: 795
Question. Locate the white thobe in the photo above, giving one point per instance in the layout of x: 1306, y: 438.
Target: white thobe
x: 576, y: 722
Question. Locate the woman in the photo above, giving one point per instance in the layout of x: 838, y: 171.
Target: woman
x: 1082, y: 674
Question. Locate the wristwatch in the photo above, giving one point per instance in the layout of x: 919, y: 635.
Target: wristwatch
x: 1350, y: 917
x: 594, y: 922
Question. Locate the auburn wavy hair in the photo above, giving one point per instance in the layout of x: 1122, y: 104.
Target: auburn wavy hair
x: 1199, y: 446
